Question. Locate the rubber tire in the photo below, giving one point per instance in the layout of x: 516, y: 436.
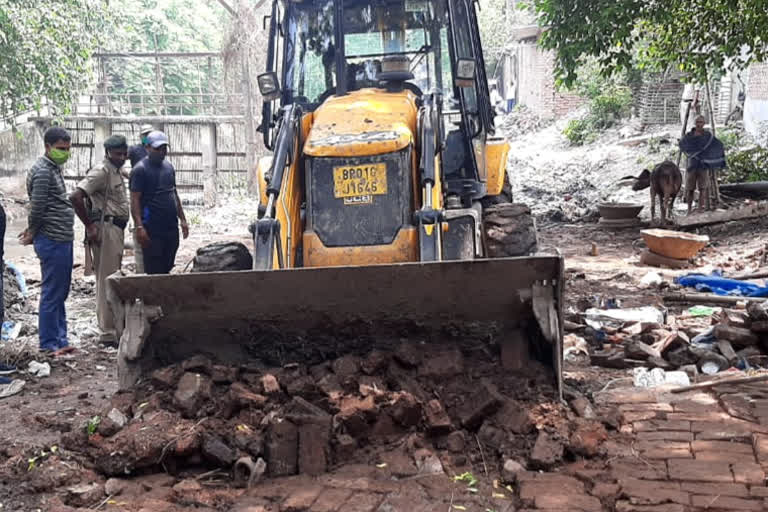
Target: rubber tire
x: 510, y: 230
x: 222, y: 257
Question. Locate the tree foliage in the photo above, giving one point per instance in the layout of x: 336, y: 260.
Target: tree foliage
x: 45, y: 51
x: 696, y: 36
x: 166, y: 26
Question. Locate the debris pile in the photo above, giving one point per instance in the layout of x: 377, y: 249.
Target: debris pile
x: 400, y: 410
x: 702, y: 340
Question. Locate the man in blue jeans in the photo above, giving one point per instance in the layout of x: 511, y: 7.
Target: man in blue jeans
x: 156, y: 208
x: 50, y: 227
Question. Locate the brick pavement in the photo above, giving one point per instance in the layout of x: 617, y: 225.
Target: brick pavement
x: 673, y: 453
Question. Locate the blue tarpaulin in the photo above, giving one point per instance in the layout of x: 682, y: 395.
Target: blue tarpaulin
x: 722, y: 286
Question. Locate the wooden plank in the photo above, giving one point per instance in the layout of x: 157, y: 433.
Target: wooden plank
x: 723, y: 382
x: 736, y: 335
x: 727, y: 350
x: 747, y: 211
x: 709, y: 298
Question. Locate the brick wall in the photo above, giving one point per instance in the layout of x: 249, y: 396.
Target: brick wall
x: 757, y: 83
x: 536, y: 83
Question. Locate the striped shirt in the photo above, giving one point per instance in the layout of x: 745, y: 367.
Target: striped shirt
x: 50, y: 210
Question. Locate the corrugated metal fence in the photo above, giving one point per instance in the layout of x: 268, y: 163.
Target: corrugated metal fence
x: 185, y: 153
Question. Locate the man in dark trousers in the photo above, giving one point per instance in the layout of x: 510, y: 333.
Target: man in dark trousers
x: 51, y: 229
x: 706, y: 155
x: 138, y: 152
x: 156, y: 208
x: 104, y: 223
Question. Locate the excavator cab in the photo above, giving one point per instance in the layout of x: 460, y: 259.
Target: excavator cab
x: 385, y: 205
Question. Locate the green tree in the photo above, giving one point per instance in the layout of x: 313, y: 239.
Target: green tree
x: 697, y: 36
x: 45, y: 51
x: 166, y: 26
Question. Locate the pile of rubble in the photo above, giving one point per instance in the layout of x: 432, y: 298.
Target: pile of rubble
x: 414, y: 410
x: 701, y: 340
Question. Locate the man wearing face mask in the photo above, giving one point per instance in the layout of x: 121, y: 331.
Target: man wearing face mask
x: 51, y: 229
x: 138, y: 152
x: 105, y: 223
x: 156, y: 208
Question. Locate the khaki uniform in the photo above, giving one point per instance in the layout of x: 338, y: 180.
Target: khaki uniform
x: 108, y: 254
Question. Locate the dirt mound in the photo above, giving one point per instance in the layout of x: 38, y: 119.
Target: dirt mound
x: 416, y: 408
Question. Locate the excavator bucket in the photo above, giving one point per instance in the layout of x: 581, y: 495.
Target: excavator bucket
x: 282, y: 316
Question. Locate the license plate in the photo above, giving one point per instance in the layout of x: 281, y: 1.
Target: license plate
x: 359, y: 180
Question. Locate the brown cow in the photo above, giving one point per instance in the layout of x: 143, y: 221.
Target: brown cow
x: 665, y: 181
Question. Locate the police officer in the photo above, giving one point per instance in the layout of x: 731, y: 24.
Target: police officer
x: 105, y: 223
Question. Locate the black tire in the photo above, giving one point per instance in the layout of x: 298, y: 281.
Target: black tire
x: 510, y: 230
x: 222, y: 257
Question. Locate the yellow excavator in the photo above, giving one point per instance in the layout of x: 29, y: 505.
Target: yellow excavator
x: 385, y: 206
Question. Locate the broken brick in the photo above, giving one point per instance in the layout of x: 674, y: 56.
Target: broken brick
x: 437, y: 419
x: 191, y: 391
x: 244, y: 397
x: 313, y: 448
x: 269, y: 384
x: 546, y: 452
x: 443, y: 364
x: 485, y: 402
x: 282, y: 448
x: 405, y: 409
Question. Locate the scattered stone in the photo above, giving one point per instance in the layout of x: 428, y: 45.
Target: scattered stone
x: 438, y: 421
x: 515, y: 417
x: 112, y: 423
x: 491, y: 436
x: 583, y: 407
x: 408, y: 354
x: 224, y: 374
x: 355, y: 414
x: 546, y: 452
x: 191, y: 391
x: 116, y: 486
x: 198, y: 363
x: 346, y: 367
x: 186, y: 486
x: 269, y: 384
x: 455, y: 442
x: 405, y: 409
x: 510, y: 471
x: 244, y: 397
x: 217, y: 452
x: 84, y: 495
x: 586, y: 439
x: 166, y: 377
x: 443, y: 364
x: 485, y: 402
x: 427, y: 462
x: 398, y: 464
x: 375, y: 362
x: 345, y: 447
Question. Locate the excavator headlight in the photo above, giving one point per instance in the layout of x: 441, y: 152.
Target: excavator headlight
x: 465, y: 73
x: 269, y: 85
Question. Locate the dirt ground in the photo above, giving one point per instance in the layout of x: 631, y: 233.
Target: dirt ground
x: 51, y: 459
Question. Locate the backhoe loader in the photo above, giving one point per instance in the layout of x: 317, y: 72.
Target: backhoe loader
x: 385, y: 206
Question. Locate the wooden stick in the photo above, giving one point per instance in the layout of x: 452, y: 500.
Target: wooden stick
x: 709, y: 298
x: 754, y: 275
x: 722, y: 382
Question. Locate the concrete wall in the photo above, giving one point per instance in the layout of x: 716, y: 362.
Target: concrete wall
x: 19, y: 149
x: 756, y: 104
